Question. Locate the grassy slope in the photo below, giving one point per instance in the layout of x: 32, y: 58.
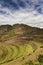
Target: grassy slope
x: 7, y: 31
x: 23, y: 41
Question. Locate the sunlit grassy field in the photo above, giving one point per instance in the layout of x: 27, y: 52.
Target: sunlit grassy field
x: 21, y: 45
x: 10, y: 52
x: 17, y: 52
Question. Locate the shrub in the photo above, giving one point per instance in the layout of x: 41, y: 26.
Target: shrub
x: 40, y: 58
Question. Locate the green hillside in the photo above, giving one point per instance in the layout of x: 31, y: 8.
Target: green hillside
x: 8, y: 31
x: 21, y: 45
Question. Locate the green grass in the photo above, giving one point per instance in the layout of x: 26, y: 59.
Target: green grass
x: 13, y: 52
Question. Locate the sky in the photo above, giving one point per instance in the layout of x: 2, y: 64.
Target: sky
x: 29, y: 12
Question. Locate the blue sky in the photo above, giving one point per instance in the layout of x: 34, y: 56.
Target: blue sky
x: 28, y: 12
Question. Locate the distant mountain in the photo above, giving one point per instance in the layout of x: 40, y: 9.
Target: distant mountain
x: 20, y: 30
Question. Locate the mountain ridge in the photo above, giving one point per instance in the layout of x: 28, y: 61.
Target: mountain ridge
x: 20, y: 32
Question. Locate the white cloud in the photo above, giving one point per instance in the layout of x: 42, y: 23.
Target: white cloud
x: 31, y: 18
